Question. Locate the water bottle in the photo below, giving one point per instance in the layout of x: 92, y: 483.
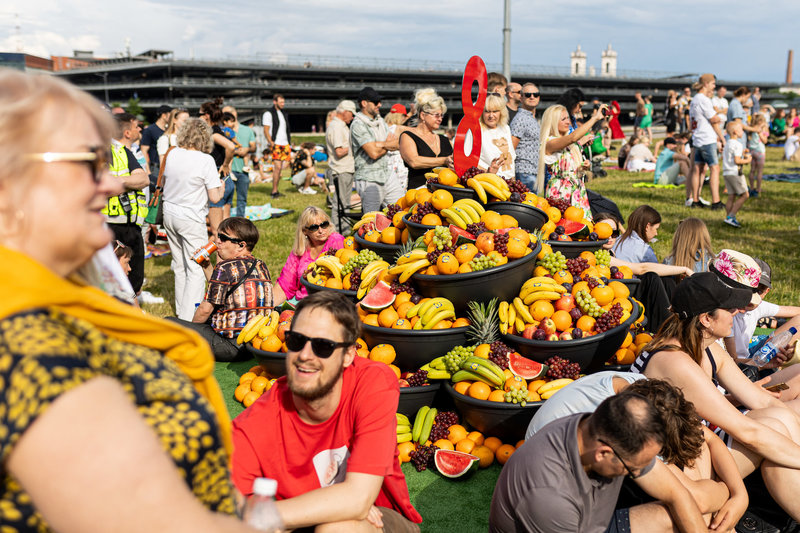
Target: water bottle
x: 771, y: 347
x: 260, y: 511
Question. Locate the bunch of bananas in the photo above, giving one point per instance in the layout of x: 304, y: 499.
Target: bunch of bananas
x: 431, y: 312
x: 541, y: 288
x: 409, y: 263
x: 475, y: 368
x: 552, y: 387
x: 423, y: 423
x: 370, y: 276
x: 491, y: 184
x: 261, y: 325
x: 462, y: 212
x: 323, y: 268
x: 403, y: 428
x: 514, y: 314
x: 366, y: 218
x: 436, y: 369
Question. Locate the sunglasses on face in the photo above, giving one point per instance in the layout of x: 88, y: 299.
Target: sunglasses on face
x: 96, y: 157
x: 531, y: 95
x: 314, y: 227
x: 615, y: 233
x: 227, y: 238
x: 322, y: 348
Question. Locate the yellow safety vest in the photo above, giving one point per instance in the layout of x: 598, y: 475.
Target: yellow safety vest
x: 114, y: 210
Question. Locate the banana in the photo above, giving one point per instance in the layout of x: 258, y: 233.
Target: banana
x: 493, y: 179
x: 430, y: 175
x: 537, y: 287
x: 438, y: 317
x: 251, y: 324
x: 418, y: 421
x: 473, y: 204
x: 495, y: 191
x: 454, y: 218
x: 405, y: 428
x: 402, y: 419
x: 541, y: 295
x: 412, y: 311
x: 433, y: 306
x: 270, y: 325
x: 424, y: 307
x: 414, y: 255
x: 503, y: 327
x: 405, y: 437
x: 367, y: 217
x: 437, y: 364
x: 413, y: 268
x: 478, y: 188
x: 519, y: 324
x: 488, y: 376
x: 502, y: 312
x: 546, y: 395
x: 553, y: 385
x: 427, y: 425
x: 438, y: 374
x: 372, y: 267
x: 332, y: 264
x: 474, y: 216
x: 539, y: 281
x: 522, y: 310
x: 465, y: 216
x: 512, y: 315
x: 466, y: 375
x: 493, y: 367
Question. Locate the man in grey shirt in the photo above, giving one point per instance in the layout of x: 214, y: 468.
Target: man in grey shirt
x: 525, y: 134
x: 567, y: 477
x: 340, y: 159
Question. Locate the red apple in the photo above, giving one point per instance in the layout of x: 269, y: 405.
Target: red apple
x: 286, y: 316
x: 403, y: 383
x: 529, y: 331
x: 565, y: 303
x: 283, y: 327
x: 552, y: 337
x: 565, y: 336
x: 548, y: 326
x: 406, y: 375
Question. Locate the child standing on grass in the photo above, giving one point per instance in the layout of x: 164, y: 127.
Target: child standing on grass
x: 733, y: 157
x: 758, y: 151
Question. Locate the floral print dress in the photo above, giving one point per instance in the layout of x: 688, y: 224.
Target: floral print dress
x: 565, y: 179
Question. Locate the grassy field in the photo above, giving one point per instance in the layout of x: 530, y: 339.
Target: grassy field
x: 770, y: 231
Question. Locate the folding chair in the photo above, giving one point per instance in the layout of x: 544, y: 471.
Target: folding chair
x: 346, y: 215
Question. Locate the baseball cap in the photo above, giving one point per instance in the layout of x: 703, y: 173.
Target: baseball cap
x: 766, y: 273
x: 704, y: 292
x: 369, y: 94
x: 702, y: 80
x: 347, y: 105
x: 163, y: 109
x: 399, y: 108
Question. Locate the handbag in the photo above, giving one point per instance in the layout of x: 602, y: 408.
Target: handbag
x: 155, y: 212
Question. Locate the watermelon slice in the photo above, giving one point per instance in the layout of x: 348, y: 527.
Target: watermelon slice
x: 382, y: 222
x: 453, y: 464
x: 379, y: 297
x: 460, y: 236
x: 525, y: 368
x: 576, y: 230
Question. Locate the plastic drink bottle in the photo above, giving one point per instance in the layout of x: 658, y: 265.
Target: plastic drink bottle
x: 203, y: 255
x: 771, y: 347
x: 260, y: 511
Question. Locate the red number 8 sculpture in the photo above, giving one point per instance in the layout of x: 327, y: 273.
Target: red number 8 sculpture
x: 475, y: 71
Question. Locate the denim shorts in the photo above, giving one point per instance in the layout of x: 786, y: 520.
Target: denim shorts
x: 706, y: 154
x: 227, y: 195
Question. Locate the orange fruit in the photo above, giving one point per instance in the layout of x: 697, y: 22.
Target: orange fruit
x: 519, y: 443
x: 585, y: 323
x: 456, y: 432
x: 548, y: 228
x: 404, y: 450
x: 499, y: 259
x: 573, y: 213
x: 516, y: 249
x: 625, y: 356
x: 520, y: 234
x: 515, y: 383
x: 387, y: 317
x: 626, y: 271
x: 403, y: 308
x: 541, y: 309
x: 534, y: 386
x: 485, y: 454
x: 625, y: 303
x: 554, y: 215
x: 479, y: 390
x: 447, y: 177
x: 562, y: 319
x: 628, y: 340
x: 345, y: 255
x: 410, y: 197
x: 465, y: 445
x: 384, y: 353
x: 241, y: 391
x: 404, y: 236
x: 271, y: 344
x: 476, y: 436
x: 431, y: 219
x: 447, y: 263
x: 397, y: 220
x: 462, y: 387
x: 249, y: 398
x: 390, y: 235
x: 256, y: 342
x: 562, y: 276
x: 396, y: 370
x: 497, y: 396
x: 247, y: 377
x: 579, y: 286
x: 482, y: 350
x: 444, y: 444
x: 466, y: 252
x: 504, y: 453
x: 604, y: 271
x: 333, y: 283
x: 443, y: 324
x: 603, y: 295
x: 346, y: 284
x: 372, y: 236
x: 361, y: 344
x: 603, y: 230
x: 620, y: 289
x: 259, y: 384
x: 465, y: 269
x: 431, y: 271
x: 257, y: 370
x: 642, y: 338
x: 492, y: 443
x: 428, y: 237
x: 461, y: 322
x: 492, y: 219
x: 422, y: 195
x: 509, y: 221
x: 589, y: 256
x: 401, y: 298
x: 485, y: 242
x: 508, y: 373
x: 350, y: 243
x: 371, y: 319
x: 540, y: 271
x: 533, y: 396
x: 441, y: 199
x: 414, y: 320
x: 401, y: 323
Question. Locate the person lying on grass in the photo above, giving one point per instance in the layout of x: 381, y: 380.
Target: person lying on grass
x: 327, y: 430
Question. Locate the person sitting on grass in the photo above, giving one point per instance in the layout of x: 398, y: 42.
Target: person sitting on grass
x: 672, y: 165
x: 304, y: 175
x: 326, y: 431
x: 240, y: 288
x: 568, y: 476
x: 691, y: 246
x: 640, y: 158
x: 634, y: 245
x: 733, y: 157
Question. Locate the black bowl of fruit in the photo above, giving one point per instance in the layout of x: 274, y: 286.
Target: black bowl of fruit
x: 388, y: 252
x: 412, y: 398
x: 501, y: 282
x: 273, y: 362
x: 415, y: 347
x: 312, y: 288
x: 458, y: 193
x: 589, y: 352
x: 415, y: 229
x: 529, y: 217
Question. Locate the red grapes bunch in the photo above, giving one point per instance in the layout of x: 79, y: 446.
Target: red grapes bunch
x: 562, y: 368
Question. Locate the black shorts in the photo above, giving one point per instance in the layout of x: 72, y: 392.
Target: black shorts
x: 620, y: 522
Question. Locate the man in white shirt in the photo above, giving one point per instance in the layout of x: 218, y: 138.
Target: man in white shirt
x: 720, y: 104
x: 706, y: 132
x: 276, y: 130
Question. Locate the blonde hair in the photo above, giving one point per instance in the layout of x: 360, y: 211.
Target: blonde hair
x: 428, y: 100
x: 31, y: 105
x: 691, y: 240
x: 550, y: 120
x: 309, y: 214
x: 172, y: 125
x: 758, y: 120
x: 395, y: 119
x: 496, y: 103
x: 195, y: 134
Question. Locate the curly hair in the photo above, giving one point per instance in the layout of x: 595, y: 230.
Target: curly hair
x: 195, y: 134
x: 428, y: 100
x: 683, y: 434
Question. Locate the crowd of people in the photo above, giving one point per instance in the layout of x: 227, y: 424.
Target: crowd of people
x: 124, y: 392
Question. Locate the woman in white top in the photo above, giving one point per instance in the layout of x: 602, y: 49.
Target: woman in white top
x: 191, y: 180
x: 497, y: 149
x: 170, y: 136
x: 640, y: 157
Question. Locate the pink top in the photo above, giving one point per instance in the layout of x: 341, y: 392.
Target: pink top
x: 295, y: 267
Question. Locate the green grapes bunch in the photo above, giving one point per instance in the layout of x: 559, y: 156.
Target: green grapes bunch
x: 603, y: 257
x: 442, y: 238
x: 519, y: 396
x: 554, y: 262
x: 588, y: 304
x: 481, y: 262
x: 456, y: 356
x: 363, y: 258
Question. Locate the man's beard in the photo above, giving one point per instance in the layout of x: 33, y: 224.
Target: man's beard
x: 322, y: 389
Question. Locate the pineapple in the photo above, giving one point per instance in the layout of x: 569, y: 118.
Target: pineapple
x: 483, y: 331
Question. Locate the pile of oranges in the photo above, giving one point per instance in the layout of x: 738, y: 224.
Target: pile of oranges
x: 631, y: 347
x: 252, y: 385
x: 486, y: 449
x: 394, y: 316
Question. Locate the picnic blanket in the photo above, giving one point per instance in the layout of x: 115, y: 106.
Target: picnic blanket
x: 264, y: 212
x: 789, y: 178
x: 652, y: 185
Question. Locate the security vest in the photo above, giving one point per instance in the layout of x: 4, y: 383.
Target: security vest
x: 129, y: 207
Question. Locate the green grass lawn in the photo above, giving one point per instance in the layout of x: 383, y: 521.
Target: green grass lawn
x: 770, y: 232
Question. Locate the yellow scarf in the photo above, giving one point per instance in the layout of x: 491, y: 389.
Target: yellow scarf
x: 31, y: 286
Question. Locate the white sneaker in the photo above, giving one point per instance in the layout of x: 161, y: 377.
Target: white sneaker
x: 308, y: 190
x: 146, y: 297
x: 689, y: 202
x: 704, y: 202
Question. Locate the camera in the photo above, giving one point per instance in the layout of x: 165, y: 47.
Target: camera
x: 606, y: 112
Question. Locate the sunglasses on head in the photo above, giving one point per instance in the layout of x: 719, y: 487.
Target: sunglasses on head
x: 314, y: 227
x: 531, y: 95
x: 227, y: 238
x: 322, y: 348
x: 96, y: 157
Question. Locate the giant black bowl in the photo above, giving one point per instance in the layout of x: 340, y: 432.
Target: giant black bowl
x: 388, y: 252
x: 572, y: 249
x: 273, y: 362
x: 415, y: 347
x: 457, y: 192
x: 311, y: 288
x: 415, y: 230
x: 412, y: 398
x: 530, y: 218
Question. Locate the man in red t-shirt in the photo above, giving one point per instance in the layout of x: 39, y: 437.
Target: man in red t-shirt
x: 327, y: 431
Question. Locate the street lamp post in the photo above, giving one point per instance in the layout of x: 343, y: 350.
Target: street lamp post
x: 507, y: 40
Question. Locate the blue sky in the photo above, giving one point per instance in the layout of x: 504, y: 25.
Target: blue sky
x: 736, y: 40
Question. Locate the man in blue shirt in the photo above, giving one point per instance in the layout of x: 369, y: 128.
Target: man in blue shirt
x: 672, y: 165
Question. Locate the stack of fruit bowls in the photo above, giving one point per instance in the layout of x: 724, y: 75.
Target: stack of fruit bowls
x: 529, y: 217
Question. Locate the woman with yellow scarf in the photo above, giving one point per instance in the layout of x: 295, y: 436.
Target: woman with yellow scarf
x: 109, y: 418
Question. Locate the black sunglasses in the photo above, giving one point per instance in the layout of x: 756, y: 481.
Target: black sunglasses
x: 314, y: 227
x: 321, y: 347
x: 531, y: 95
x: 630, y: 472
x: 227, y: 238
x: 615, y: 233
